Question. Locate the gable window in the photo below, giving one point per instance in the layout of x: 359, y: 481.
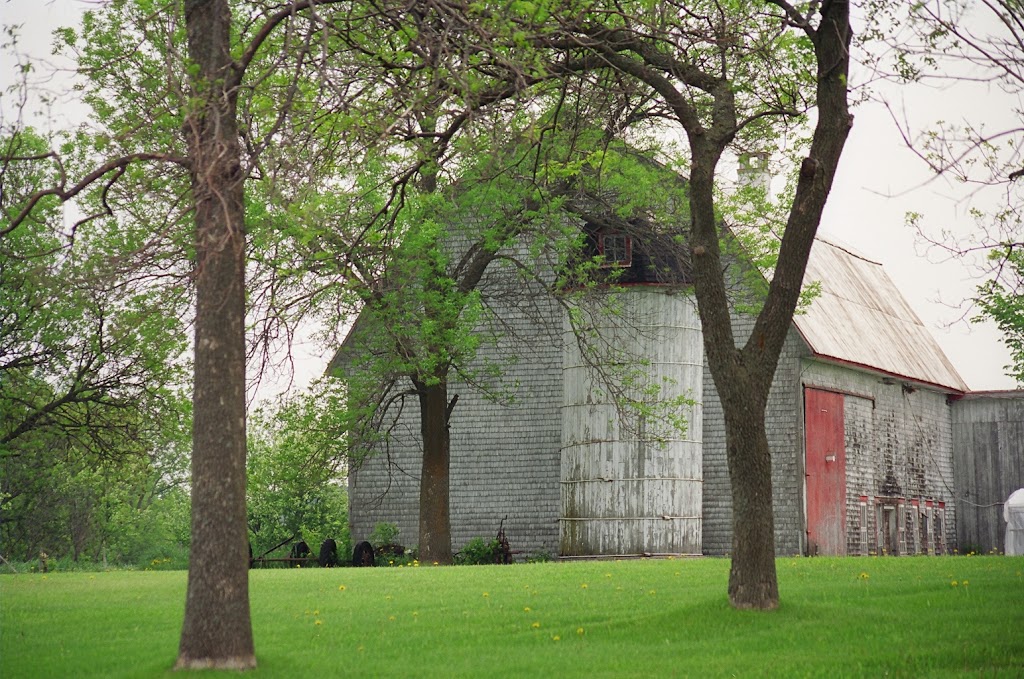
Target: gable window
x: 617, y: 249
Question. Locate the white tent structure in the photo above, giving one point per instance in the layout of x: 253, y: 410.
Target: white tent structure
x: 1013, y: 513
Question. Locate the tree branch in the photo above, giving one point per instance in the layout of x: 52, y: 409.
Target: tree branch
x: 117, y: 165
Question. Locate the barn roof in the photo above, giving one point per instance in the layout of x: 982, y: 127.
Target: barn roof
x: 861, y: 319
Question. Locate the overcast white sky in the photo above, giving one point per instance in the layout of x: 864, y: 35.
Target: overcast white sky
x: 879, y: 181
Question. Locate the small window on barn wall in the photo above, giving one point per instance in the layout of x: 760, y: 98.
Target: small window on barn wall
x: 617, y: 249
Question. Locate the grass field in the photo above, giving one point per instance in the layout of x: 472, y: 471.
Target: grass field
x: 857, y: 617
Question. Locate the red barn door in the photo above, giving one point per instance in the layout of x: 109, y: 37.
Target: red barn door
x: 826, y: 472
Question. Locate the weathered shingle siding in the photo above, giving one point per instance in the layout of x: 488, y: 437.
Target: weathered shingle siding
x: 988, y: 441
x: 783, y: 418
x: 717, y: 499
x: 504, y: 454
x: 386, y: 486
x: 859, y: 440
x: 898, y: 445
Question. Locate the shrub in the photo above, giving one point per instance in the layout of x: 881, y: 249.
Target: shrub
x: 384, y: 534
x: 478, y: 552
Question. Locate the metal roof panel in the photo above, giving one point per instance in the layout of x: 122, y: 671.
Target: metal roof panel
x: 860, y: 317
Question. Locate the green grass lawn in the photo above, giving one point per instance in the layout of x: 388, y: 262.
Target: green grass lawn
x: 870, y: 617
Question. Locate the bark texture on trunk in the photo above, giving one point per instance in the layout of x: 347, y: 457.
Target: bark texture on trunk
x: 743, y: 376
x: 435, y: 520
x: 752, y: 577
x: 217, y: 631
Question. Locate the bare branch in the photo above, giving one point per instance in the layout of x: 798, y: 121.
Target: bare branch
x: 116, y: 166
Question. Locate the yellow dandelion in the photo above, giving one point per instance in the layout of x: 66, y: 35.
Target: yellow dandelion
x: 318, y: 622
x: 864, y: 576
x: 317, y: 612
x: 391, y: 618
x: 535, y: 625
x: 556, y: 638
x: 436, y: 564
x: 607, y: 575
x: 583, y: 586
x: 579, y: 631
x: 653, y: 592
x: 954, y: 583
x: 341, y: 588
x: 486, y: 594
x: 527, y: 609
x: 965, y: 583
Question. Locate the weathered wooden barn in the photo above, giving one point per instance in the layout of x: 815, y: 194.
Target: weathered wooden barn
x: 988, y: 440
x: 862, y: 419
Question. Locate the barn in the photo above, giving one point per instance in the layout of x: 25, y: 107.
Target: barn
x: 988, y: 442
x: 861, y: 423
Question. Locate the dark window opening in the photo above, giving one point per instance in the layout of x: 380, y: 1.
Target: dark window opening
x: 627, y: 258
x: 617, y: 249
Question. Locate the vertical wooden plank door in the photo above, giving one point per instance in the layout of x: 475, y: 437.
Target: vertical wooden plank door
x: 826, y: 472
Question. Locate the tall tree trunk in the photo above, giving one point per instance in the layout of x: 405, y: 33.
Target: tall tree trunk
x: 752, y: 576
x: 738, y: 377
x: 217, y: 631
x: 743, y: 376
x: 435, y: 521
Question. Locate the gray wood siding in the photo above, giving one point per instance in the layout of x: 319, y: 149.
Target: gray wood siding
x: 508, y: 450
x: 899, y: 449
x: 628, y: 488
x: 505, y: 434
x: 785, y: 431
x: 859, y: 438
x: 988, y: 435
